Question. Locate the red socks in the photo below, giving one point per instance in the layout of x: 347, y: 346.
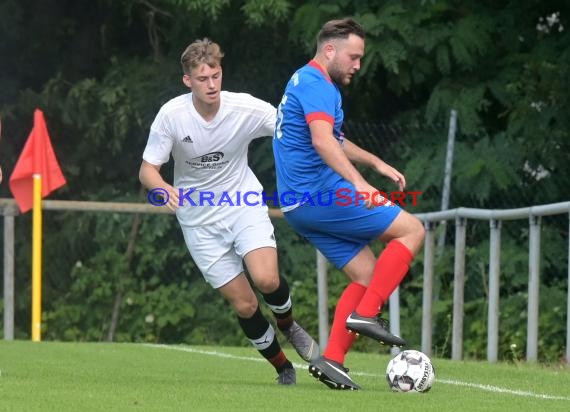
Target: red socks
x: 391, y: 267
x: 340, y: 339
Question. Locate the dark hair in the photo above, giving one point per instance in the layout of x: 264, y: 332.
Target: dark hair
x: 201, y: 51
x: 339, y: 29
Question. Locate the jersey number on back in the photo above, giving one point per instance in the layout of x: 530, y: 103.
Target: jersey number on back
x: 278, y: 132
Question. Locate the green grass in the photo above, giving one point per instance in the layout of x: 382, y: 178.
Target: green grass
x: 54, y: 376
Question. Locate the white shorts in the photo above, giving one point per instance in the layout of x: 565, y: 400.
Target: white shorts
x: 218, y: 249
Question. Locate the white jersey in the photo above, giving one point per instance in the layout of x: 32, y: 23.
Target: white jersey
x: 211, y: 171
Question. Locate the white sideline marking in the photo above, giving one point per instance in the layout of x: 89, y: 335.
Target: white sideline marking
x: 497, y: 389
x: 488, y: 388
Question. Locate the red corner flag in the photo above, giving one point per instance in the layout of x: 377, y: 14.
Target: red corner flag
x: 37, y: 157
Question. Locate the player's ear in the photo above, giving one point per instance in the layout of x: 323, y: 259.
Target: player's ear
x: 329, y: 50
x: 186, y: 81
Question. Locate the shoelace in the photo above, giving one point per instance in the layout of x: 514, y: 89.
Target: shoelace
x: 385, y: 323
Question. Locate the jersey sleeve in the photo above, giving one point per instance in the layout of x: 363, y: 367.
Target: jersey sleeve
x: 264, y: 117
x: 318, y: 102
x: 160, y: 141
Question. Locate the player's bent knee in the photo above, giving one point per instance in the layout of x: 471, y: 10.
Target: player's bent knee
x: 411, y: 233
x: 245, y: 309
x: 412, y: 225
x: 417, y: 234
x: 267, y: 284
x: 419, y: 230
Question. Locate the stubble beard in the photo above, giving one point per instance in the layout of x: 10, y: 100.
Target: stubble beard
x: 338, y: 76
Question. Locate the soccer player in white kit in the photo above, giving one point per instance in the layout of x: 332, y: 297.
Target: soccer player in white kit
x: 208, y: 131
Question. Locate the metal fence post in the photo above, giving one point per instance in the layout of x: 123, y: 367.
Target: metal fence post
x: 446, y: 192
x: 458, y: 289
x: 322, y: 295
x: 394, y: 302
x: 494, y: 288
x: 533, y: 289
x: 427, y: 301
x: 8, y: 276
x: 568, y: 300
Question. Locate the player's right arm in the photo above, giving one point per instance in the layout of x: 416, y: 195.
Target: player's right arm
x: 157, y: 152
x: 150, y: 177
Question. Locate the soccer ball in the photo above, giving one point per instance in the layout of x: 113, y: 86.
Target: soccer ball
x: 410, y: 371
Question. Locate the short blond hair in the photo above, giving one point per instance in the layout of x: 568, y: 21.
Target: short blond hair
x: 200, y: 52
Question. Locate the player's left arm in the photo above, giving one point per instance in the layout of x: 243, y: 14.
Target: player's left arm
x: 360, y: 156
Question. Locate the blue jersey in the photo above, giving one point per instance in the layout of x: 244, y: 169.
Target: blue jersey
x: 310, y: 95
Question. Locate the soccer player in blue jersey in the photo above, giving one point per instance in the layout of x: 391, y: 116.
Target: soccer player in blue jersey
x: 313, y: 156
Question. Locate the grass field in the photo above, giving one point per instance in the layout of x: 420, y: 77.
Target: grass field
x: 52, y: 376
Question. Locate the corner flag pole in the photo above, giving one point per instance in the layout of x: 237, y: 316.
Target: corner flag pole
x: 37, y: 259
x: 37, y: 154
